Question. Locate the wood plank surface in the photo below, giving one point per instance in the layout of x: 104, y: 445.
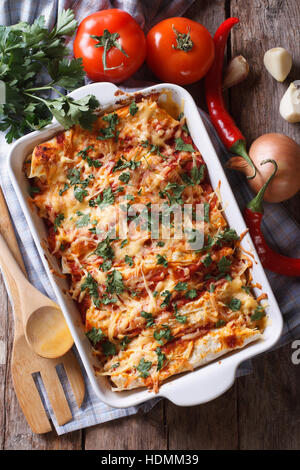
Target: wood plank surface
x: 261, y: 411
x: 269, y: 412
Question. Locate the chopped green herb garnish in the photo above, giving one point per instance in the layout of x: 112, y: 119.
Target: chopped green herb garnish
x: 182, y: 146
x: 191, y: 294
x: 235, y: 304
x: 122, y: 164
x: 124, y: 342
x: 106, y: 265
x: 104, y: 250
x: 80, y: 193
x: 91, y: 286
x: 83, y: 220
x: 58, y: 220
x: 167, y: 294
x: 180, y: 286
x: 114, y: 282
x: 258, y: 314
x: 33, y: 190
x: 129, y: 260
x: 228, y: 235
x: 246, y: 289
x: 124, y: 177
x: 162, y: 260
x: 124, y: 243
x: 133, y: 108
x: 163, y: 333
x: 207, y: 260
x: 220, y: 323
x: 160, y: 243
x: 110, y: 131
x: 90, y: 161
x: 108, y: 348
x: 95, y: 335
x: 179, y: 318
x: 149, y: 318
x: 197, y: 175
x: 144, y: 367
x: 224, y: 264
x: 160, y: 358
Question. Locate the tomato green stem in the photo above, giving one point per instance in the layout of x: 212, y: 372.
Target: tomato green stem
x: 107, y: 41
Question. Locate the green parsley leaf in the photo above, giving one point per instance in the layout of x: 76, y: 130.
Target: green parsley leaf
x: 124, y: 342
x: 149, y: 318
x: 91, y: 286
x: 133, y: 108
x: 106, y: 265
x: 160, y: 358
x: 162, y: 260
x: 110, y: 131
x: 180, y: 286
x: 129, y: 260
x: 235, y: 304
x: 224, y: 264
x: 167, y: 294
x: 104, y: 250
x: 79, y: 193
x: 114, y: 282
x: 258, y: 314
x: 246, y: 289
x: 179, y: 318
x: 33, y: 190
x: 124, y: 177
x: 83, y: 220
x: 228, y: 235
x: 207, y: 260
x: 182, y: 147
x: 122, y: 164
x: 95, y: 335
x: 58, y: 220
x: 220, y: 323
x: 108, y: 348
x: 163, y: 333
x: 191, y: 294
x: 144, y: 367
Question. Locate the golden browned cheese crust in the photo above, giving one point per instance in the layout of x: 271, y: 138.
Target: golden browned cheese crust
x: 151, y: 307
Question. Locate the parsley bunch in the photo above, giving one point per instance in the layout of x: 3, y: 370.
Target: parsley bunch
x: 32, y: 64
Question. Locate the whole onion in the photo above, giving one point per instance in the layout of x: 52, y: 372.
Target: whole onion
x: 286, y: 153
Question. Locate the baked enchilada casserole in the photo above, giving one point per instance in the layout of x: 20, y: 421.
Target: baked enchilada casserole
x: 153, y: 304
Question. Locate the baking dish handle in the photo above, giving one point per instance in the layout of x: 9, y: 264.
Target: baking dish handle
x: 201, y: 386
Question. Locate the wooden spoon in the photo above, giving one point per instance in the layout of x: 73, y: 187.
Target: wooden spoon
x: 45, y: 328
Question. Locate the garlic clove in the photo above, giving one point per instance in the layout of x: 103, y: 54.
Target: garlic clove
x: 278, y: 62
x: 290, y: 103
x: 237, y: 71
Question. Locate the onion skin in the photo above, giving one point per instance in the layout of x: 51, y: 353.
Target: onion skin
x: 286, y: 152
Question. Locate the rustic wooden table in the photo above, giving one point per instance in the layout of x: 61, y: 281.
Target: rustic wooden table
x: 262, y: 410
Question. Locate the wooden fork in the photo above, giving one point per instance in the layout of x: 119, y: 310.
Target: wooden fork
x: 25, y: 362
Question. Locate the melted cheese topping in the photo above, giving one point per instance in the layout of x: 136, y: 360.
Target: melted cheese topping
x: 145, y: 302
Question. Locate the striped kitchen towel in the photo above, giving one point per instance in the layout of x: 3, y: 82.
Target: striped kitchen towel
x: 279, y: 228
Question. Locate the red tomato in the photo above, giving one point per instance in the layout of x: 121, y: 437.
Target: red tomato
x: 179, y: 50
x: 111, y: 44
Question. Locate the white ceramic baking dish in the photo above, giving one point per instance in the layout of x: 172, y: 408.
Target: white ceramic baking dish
x: 204, y: 383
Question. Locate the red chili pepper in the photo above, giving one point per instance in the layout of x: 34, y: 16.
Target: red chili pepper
x: 228, y: 131
x: 270, y: 259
